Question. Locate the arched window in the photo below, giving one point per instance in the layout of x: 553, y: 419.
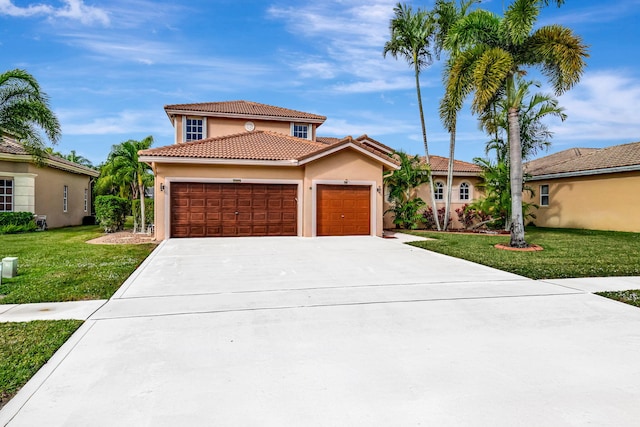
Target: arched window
x: 464, y: 191
x: 439, y: 190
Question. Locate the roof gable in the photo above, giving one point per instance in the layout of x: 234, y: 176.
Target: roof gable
x: 440, y: 165
x: 243, y: 109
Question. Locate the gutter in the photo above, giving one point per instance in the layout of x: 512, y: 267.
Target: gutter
x: 619, y: 169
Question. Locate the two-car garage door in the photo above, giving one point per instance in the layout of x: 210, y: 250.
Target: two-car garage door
x: 243, y: 209
x: 227, y: 210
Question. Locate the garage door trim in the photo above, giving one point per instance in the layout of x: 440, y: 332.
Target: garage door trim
x: 372, y: 205
x: 169, y: 180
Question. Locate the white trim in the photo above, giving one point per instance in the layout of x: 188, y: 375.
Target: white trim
x: 170, y: 179
x: 547, y: 194
x: 444, y: 190
x: 350, y: 145
x: 309, y: 130
x: 244, y: 116
x: 631, y: 168
x: 65, y: 198
x: 346, y: 182
x: 469, y: 187
x: 175, y: 129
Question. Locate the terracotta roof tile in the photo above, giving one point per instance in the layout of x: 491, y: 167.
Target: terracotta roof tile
x: 440, y: 165
x: 244, y: 108
x: 327, y: 140
x: 592, y: 160
x: 258, y: 145
x: 531, y: 167
x: 349, y: 139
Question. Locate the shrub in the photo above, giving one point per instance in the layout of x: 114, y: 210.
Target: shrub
x: 111, y: 212
x: 406, y: 214
x: 466, y: 216
x: 429, y: 221
x: 16, y: 222
x: 148, y: 211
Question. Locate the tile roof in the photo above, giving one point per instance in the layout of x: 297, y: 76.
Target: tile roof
x: 257, y: 145
x: 440, y: 165
x: 589, y: 160
x: 244, y: 109
x: 556, y: 158
x: 327, y: 139
x: 9, y: 146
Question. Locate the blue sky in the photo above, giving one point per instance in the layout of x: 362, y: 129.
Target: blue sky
x: 109, y: 67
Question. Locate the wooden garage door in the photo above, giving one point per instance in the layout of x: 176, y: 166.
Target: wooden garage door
x: 228, y: 210
x: 343, y: 210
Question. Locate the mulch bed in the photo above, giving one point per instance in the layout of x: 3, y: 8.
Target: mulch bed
x: 123, y: 238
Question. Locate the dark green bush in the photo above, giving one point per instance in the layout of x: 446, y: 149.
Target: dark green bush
x: 16, y: 222
x: 111, y: 212
x: 148, y: 210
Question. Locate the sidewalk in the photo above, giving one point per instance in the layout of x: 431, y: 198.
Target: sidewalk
x: 79, y: 310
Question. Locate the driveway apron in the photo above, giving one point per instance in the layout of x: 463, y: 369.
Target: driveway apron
x: 338, y: 331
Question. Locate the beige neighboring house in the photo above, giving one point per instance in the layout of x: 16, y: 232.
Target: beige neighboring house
x: 59, y: 189
x: 241, y: 168
x: 466, y: 177
x: 587, y: 188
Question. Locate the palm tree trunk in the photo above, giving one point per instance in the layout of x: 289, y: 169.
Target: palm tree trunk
x: 452, y: 149
x: 515, y: 173
x: 426, y: 146
x: 142, y: 216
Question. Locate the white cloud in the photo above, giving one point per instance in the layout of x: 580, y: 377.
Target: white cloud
x: 123, y: 122
x: 72, y: 9
x: 603, y: 106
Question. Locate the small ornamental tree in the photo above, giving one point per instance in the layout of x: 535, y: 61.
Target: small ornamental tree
x: 111, y: 212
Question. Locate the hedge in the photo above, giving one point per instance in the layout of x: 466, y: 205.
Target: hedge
x: 111, y: 212
x: 16, y: 222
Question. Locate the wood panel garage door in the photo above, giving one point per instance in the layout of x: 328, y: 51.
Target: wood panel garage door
x: 343, y: 210
x: 228, y: 210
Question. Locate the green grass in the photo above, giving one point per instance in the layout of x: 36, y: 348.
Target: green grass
x: 58, y: 265
x: 25, y: 347
x: 567, y: 252
x: 629, y: 297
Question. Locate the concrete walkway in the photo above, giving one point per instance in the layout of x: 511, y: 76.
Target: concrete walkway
x: 338, y: 331
x: 79, y: 310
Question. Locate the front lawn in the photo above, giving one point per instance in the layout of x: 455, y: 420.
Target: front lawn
x: 25, y: 347
x: 567, y: 252
x: 57, y: 265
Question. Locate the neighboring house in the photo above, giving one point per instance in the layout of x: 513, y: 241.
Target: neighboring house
x: 588, y: 188
x: 466, y: 177
x: 59, y: 189
x: 241, y: 168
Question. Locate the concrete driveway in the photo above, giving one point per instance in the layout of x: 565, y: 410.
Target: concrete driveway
x: 338, y: 331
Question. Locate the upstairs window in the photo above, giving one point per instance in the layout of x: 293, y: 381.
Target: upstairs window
x: 194, y: 129
x: 6, y: 195
x: 464, y: 191
x: 544, y: 195
x: 439, y: 191
x: 300, y: 130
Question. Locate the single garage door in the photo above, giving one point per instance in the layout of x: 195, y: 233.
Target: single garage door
x: 229, y: 210
x: 343, y: 210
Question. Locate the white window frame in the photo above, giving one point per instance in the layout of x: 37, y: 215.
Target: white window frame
x: 468, y: 195
x: 544, y: 194
x: 86, y: 199
x: 184, y: 127
x: 65, y: 198
x: 436, y: 187
x: 4, y: 195
x: 307, y: 125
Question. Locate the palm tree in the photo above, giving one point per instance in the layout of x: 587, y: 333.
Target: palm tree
x: 126, y: 168
x: 77, y: 158
x: 534, y: 134
x: 411, y: 38
x: 25, y: 111
x: 494, y: 51
x: 445, y: 14
x: 401, y: 185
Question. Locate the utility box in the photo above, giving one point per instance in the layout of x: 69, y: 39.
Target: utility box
x: 9, y: 267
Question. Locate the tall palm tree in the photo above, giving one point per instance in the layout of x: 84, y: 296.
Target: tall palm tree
x: 494, y: 51
x: 25, y: 111
x: 127, y: 169
x: 445, y: 14
x: 411, y: 38
x: 534, y: 134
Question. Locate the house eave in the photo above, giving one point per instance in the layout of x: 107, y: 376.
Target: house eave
x: 172, y: 113
x: 591, y: 172
x: 209, y: 161
x: 388, y: 163
x: 49, y: 162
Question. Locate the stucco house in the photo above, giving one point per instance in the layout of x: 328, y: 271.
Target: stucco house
x: 59, y: 189
x: 241, y: 168
x: 466, y: 177
x: 588, y: 188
